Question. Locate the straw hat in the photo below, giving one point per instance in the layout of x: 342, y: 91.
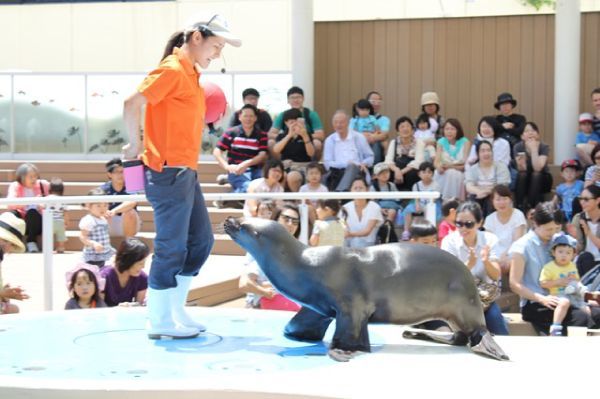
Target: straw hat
x: 12, y: 229
x: 430, y: 97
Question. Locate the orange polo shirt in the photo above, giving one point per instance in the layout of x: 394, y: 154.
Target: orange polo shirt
x: 174, y: 114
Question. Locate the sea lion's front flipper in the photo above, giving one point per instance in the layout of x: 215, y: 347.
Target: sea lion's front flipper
x: 487, y: 346
x: 449, y: 338
x: 307, y: 325
x: 351, y: 332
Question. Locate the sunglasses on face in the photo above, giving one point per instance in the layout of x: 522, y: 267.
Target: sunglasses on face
x: 290, y: 219
x: 469, y: 224
x: 585, y: 199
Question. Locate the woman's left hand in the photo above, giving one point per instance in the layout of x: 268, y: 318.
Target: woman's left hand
x: 533, y: 146
x: 485, y: 253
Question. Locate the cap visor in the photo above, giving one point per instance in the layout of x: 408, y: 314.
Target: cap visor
x: 229, y: 38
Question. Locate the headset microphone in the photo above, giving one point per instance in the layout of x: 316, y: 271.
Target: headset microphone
x: 223, y: 70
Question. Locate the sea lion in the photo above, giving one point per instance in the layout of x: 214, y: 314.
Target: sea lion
x: 392, y: 283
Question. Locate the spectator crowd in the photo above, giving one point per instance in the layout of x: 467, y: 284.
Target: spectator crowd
x: 498, y: 212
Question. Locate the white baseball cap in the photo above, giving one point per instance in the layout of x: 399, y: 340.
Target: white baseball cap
x: 215, y: 24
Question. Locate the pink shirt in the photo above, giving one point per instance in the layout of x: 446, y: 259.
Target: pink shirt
x: 444, y: 229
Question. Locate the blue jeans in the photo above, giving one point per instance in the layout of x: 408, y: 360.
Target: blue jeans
x: 495, y: 321
x: 184, y: 235
x: 241, y: 182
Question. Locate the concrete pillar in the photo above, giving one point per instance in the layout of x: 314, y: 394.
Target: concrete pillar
x: 567, y: 56
x: 303, y: 48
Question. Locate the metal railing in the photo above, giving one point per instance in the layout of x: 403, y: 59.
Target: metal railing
x: 47, y: 220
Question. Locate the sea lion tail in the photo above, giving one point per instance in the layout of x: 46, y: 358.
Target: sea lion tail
x: 483, y: 343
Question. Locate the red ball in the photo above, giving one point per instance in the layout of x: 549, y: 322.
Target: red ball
x: 216, y: 103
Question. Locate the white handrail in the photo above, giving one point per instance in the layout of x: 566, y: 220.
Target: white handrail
x: 47, y: 220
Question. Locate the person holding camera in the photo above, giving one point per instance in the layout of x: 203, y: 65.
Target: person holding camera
x: 295, y: 147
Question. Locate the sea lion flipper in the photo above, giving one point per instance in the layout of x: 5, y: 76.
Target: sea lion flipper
x: 456, y: 338
x: 307, y: 325
x: 488, y: 347
x: 351, y: 333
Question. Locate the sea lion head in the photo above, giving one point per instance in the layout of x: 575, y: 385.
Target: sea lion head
x: 256, y: 235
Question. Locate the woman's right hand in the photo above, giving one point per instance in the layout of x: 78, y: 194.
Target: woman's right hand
x: 130, y: 151
x: 98, y: 247
x: 549, y: 301
x: 17, y: 293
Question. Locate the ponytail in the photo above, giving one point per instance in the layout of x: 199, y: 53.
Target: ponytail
x: 180, y: 37
x: 176, y: 40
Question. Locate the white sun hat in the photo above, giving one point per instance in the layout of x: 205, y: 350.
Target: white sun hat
x: 215, y: 24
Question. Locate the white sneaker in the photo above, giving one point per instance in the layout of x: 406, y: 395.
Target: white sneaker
x: 32, y: 247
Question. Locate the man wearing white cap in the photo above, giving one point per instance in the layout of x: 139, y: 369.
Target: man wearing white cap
x: 12, y: 231
x: 175, y: 109
x: 586, y: 139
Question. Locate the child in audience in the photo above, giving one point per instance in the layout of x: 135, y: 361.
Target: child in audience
x: 417, y: 207
x: 567, y: 192
x: 586, y: 139
x: 381, y: 182
x: 94, y: 233
x: 364, y: 121
x: 12, y: 231
x: 314, y: 175
x: 328, y: 229
x: 447, y: 226
x: 561, y: 279
x: 57, y: 189
x: 265, y: 209
x: 422, y: 231
x: 85, y: 285
x: 425, y: 138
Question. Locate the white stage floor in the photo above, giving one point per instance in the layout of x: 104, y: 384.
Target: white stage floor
x: 104, y: 353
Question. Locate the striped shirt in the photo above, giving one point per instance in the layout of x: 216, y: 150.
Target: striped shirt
x: 241, y: 147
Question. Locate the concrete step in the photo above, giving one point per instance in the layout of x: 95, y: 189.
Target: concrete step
x: 517, y: 326
x: 224, y: 245
x: 217, y: 217
x: 89, y: 171
x: 83, y: 188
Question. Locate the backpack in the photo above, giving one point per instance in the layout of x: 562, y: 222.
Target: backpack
x: 386, y: 233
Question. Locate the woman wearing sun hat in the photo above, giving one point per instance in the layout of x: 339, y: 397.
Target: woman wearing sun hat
x: 430, y: 105
x: 511, y: 123
x: 12, y: 232
x: 175, y: 110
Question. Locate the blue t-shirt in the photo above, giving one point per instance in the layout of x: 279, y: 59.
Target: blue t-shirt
x: 568, y: 194
x: 383, y: 122
x: 366, y: 124
x: 583, y: 138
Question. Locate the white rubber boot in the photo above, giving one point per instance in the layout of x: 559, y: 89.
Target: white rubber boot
x: 179, y: 301
x: 161, y: 323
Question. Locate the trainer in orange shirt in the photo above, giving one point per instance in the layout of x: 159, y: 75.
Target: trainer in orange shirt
x: 175, y: 109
